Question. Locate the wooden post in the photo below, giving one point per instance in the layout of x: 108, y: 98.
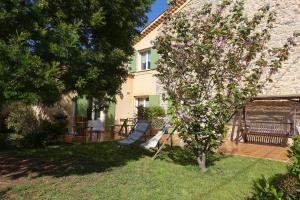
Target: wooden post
x: 245, y: 124
x: 112, y: 132
x: 164, y: 143
x: 125, y: 124
x: 161, y: 147
x: 239, y: 126
x: 233, y: 126
x: 91, y: 135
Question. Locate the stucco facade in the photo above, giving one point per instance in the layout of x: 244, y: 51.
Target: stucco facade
x: 143, y: 83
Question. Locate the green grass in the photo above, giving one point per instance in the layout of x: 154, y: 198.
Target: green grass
x: 108, y: 171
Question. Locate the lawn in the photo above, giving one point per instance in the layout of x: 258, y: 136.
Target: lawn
x: 108, y: 171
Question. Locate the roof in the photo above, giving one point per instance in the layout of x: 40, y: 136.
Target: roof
x: 160, y: 19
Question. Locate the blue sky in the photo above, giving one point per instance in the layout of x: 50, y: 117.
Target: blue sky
x: 156, y: 9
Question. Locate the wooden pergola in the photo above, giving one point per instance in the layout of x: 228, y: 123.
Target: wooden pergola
x: 265, y: 131
x: 278, y: 97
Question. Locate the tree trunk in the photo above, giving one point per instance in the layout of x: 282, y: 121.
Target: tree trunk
x: 201, y: 159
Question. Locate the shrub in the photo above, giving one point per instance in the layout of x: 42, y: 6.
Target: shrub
x: 293, y: 183
x: 46, y: 133
x: 56, y: 129
x: 151, y: 112
x: 4, y: 134
x: 288, y: 185
x: 294, y: 155
x: 36, y: 138
x: 22, y: 119
x: 3, y: 140
x: 266, y: 190
x: 285, y: 187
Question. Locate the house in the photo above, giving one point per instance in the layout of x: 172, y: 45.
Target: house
x: 141, y: 86
x: 278, y: 103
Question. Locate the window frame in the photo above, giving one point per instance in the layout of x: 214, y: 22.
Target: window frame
x: 148, y: 59
x: 146, y: 100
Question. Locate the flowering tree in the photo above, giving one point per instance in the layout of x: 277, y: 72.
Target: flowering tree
x: 213, y: 61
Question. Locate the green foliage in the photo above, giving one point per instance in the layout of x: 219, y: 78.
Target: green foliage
x: 44, y: 134
x: 50, y: 47
x: 294, y: 168
x: 34, y: 133
x: 34, y: 139
x: 151, y: 112
x: 3, y: 140
x: 212, y: 61
x: 22, y: 119
x: 4, y: 133
x: 277, y: 187
x: 294, y: 155
x: 264, y: 190
x: 289, y: 185
x: 285, y: 186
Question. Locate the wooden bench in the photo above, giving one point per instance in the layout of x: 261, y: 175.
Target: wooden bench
x: 267, y: 132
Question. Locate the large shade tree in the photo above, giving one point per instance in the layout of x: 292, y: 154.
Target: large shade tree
x: 213, y: 60
x: 50, y: 47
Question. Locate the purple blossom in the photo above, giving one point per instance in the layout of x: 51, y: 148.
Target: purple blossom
x: 189, y: 43
x: 248, y: 43
x: 183, y: 115
x: 220, y: 41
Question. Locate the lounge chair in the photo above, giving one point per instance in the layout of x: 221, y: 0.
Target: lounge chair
x: 139, y: 131
x: 152, y: 143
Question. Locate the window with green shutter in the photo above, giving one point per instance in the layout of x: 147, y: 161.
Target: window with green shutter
x: 145, y: 60
x: 110, y: 116
x: 132, y: 62
x: 81, y: 106
x: 154, y: 100
x: 154, y: 58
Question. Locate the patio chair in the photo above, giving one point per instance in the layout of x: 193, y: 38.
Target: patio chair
x: 152, y: 143
x: 139, y: 130
x: 95, y: 126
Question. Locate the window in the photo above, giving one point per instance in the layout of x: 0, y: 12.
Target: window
x: 142, y: 101
x: 145, y: 60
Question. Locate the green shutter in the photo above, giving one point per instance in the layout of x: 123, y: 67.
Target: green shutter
x: 82, y: 104
x: 74, y: 106
x: 132, y: 62
x: 154, y: 100
x: 154, y: 58
x: 110, y: 116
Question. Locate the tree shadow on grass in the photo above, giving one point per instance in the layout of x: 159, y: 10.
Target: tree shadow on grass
x: 65, y: 160
x: 186, y: 157
x: 229, y: 179
x: 3, y: 192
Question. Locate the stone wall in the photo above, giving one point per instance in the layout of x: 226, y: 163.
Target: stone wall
x: 287, y: 80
